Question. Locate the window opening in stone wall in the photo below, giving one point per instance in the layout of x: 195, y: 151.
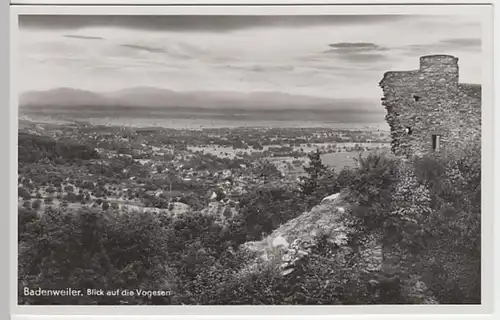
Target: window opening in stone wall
x: 409, y: 130
x: 435, y: 142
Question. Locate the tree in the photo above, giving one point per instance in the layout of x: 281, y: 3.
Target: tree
x: 70, y: 197
x: 25, y: 216
x: 452, y: 239
x: 267, y: 170
x: 23, y: 193
x: 315, y: 171
x: 50, y: 189
x: 86, y: 249
x: 37, y: 204
x: 265, y: 208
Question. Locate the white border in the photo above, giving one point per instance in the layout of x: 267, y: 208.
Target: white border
x: 243, y: 2
x: 343, y: 312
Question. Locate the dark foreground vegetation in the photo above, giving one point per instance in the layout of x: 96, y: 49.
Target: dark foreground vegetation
x: 426, y: 211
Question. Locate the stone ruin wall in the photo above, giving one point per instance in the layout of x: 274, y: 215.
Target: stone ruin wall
x: 431, y: 101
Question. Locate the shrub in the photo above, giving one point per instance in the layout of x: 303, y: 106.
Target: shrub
x: 266, y: 207
x: 370, y: 189
x: 37, y: 204
x: 25, y: 216
x: 86, y: 249
x: 105, y: 206
x: 23, y: 193
x: 453, y: 230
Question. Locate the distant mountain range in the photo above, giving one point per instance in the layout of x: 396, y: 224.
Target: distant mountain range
x: 157, y: 98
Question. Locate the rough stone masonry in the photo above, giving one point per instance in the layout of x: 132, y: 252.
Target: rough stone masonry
x: 428, y: 110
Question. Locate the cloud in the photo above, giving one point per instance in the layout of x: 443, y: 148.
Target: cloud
x: 143, y: 48
x: 357, y: 52
x: 257, y: 68
x: 203, y: 23
x: 83, y: 37
x: 356, y: 46
x: 344, y: 58
x: 173, y: 51
x: 364, y: 57
x: 451, y: 45
x: 463, y: 42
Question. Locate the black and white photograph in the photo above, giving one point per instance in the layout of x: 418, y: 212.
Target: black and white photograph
x: 327, y: 159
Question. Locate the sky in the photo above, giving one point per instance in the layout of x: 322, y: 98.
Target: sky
x: 340, y: 57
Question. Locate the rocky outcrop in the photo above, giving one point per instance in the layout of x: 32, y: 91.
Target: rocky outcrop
x: 332, y: 197
x: 294, y: 240
x: 292, y: 243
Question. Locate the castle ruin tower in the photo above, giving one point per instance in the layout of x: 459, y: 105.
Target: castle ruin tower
x: 439, y: 70
x: 428, y: 110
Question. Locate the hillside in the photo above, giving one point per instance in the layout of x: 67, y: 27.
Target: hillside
x: 388, y: 231
x: 296, y: 242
